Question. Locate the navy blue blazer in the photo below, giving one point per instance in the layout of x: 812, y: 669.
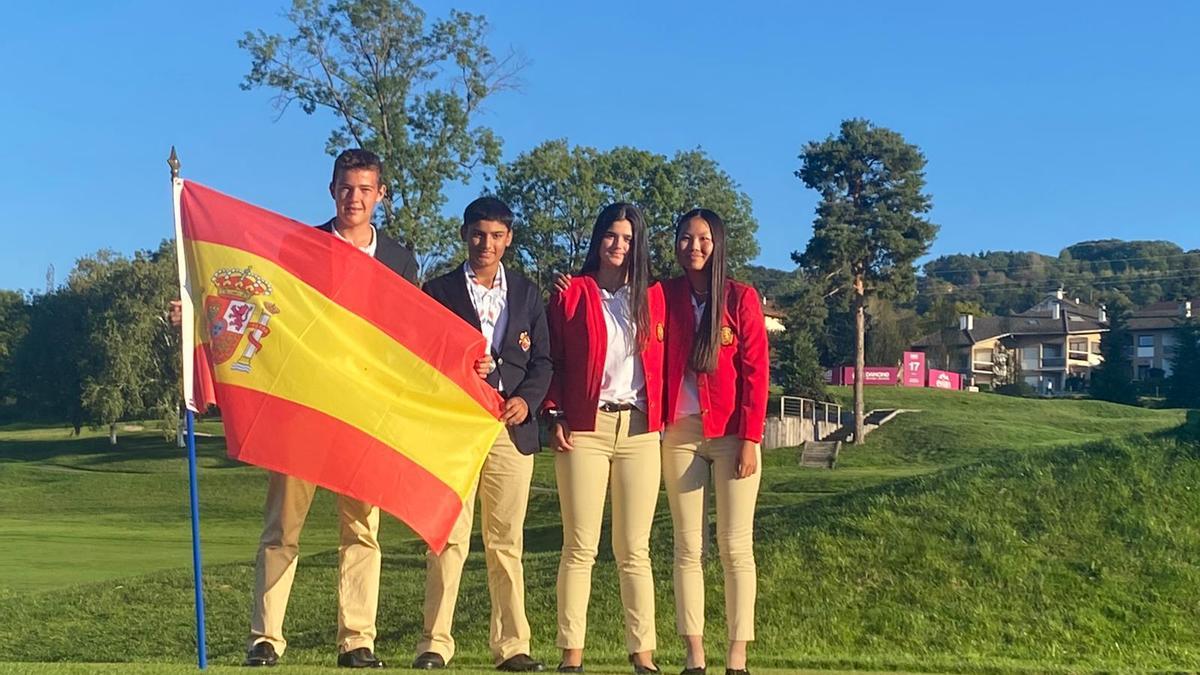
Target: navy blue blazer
x: 389, y: 252
x: 523, y: 361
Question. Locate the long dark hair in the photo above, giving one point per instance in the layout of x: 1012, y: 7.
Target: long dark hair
x: 637, y: 261
x: 708, y: 333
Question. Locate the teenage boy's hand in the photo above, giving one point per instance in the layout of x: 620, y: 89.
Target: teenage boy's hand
x: 485, y: 366
x: 516, y: 410
x: 175, y: 313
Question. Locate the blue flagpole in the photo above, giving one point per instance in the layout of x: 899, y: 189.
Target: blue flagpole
x: 197, y: 580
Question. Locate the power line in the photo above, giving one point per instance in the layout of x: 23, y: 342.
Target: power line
x: 1054, y: 285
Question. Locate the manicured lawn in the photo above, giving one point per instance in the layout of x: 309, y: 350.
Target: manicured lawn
x: 984, y: 533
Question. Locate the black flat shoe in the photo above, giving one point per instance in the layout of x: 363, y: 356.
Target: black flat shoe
x: 702, y: 670
x: 521, y: 663
x: 570, y: 669
x: 642, y: 670
x: 261, y: 654
x: 358, y: 658
x: 736, y: 671
x: 429, y: 661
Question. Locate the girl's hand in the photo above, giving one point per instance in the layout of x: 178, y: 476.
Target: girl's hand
x: 562, y: 437
x: 747, y: 459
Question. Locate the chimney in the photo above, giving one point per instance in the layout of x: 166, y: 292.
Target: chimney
x: 1103, y: 314
x: 966, y: 322
x: 1057, y: 309
x: 1060, y: 294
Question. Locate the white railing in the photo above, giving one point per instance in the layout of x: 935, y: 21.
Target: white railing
x: 806, y: 408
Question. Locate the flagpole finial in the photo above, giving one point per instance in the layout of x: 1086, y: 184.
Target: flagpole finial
x: 173, y: 162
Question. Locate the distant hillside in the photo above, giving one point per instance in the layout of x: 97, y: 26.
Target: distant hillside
x: 1112, y: 271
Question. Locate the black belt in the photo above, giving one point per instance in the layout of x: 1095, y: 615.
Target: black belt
x: 616, y: 407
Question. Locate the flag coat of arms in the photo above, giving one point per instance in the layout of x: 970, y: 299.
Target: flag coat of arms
x: 327, y: 366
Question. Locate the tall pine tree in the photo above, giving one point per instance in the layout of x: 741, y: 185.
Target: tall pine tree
x: 870, y: 226
x: 1183, y: 388
x: 1112, y: 380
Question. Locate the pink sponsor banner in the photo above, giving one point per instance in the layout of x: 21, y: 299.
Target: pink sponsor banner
x: 943, y: 379
x: 913, y: 371
x: 871, y: 375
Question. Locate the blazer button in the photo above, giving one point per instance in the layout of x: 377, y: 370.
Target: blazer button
x: 499, y: 361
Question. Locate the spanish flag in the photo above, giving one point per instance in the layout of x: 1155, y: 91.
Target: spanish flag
x: 327, y: 366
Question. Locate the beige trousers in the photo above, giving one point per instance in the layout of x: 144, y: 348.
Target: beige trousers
x: 687, y: 460
x: 288, y: 501
x: 503, y: 490
x: 620, y: 453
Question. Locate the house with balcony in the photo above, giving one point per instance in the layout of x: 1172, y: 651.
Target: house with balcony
x: 1152, y: 336
x: 1052, y: 346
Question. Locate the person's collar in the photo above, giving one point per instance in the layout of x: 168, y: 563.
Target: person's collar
x: 497, y: 281
x: 333, y: 225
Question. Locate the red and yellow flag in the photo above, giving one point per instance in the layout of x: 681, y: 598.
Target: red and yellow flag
x: 328, y: 366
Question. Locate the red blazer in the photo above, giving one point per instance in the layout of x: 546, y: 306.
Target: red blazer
x: 733, y: 400
x: 578, y: 343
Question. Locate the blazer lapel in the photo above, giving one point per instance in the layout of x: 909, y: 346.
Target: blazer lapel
x: 460, y: 299
x: 513, y: 304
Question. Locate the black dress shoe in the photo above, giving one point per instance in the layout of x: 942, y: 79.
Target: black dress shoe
x: 521, y: 663
x: 261, y: 654
x: 702, y: 670
x: 429, y: 661
x: 358, y: 658
x: 642, y: 670
x: 570, y: 669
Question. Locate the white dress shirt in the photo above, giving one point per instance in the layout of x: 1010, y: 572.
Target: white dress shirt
x: 491, y: 306
x: 369, y: 249
x: 624, y: 380
x: 689, y: 392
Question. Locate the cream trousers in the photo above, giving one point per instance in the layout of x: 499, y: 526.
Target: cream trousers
x: 620, y: 454
x: 503, y: 491
x: 288, y: 501
x: 688, y: 459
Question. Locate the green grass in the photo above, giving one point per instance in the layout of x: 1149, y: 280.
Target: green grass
x: 984, y: 533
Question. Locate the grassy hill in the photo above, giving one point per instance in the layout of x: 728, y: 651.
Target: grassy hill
x: 982, y: 533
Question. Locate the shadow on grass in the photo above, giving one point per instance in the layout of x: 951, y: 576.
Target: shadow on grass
x: 96, y: 452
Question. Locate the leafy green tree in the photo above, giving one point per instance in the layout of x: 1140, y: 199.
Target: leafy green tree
x: 891, y: 330
x: 870, y: 226
x: 556, y: 190
x: 406, y: 89
x: 796, y: 357
x: 1183, y: 387
x: 14, y: 323
x: 1112, y: 380
x: 99, y: 349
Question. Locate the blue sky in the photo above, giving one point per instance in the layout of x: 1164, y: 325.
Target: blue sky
x: 1043, y: 123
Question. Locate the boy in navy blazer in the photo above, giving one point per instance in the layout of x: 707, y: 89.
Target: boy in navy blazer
x: 508, y: 309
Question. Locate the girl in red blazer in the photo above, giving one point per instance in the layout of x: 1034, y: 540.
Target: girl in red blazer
x: 716, y: 376
x: 607, y: 331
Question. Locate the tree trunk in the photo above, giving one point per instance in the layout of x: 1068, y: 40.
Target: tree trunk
x: 112, y: 434
x: 860, y: 330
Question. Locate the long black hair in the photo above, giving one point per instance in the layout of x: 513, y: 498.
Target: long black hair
x: 707, y: 345
x: 637, y: 261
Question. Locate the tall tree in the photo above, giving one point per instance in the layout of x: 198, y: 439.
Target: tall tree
x: 1112, y: 380
x: 14, y: 323
x: 870, y: 226
x: 407, y: 90
x: 1183, y: 387
x: 556, y: 190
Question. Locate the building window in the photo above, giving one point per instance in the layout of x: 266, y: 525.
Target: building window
x: 1143, y: 372
x: 1145, y: 346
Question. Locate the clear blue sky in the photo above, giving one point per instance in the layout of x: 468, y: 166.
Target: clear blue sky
x: 1043, y: 123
